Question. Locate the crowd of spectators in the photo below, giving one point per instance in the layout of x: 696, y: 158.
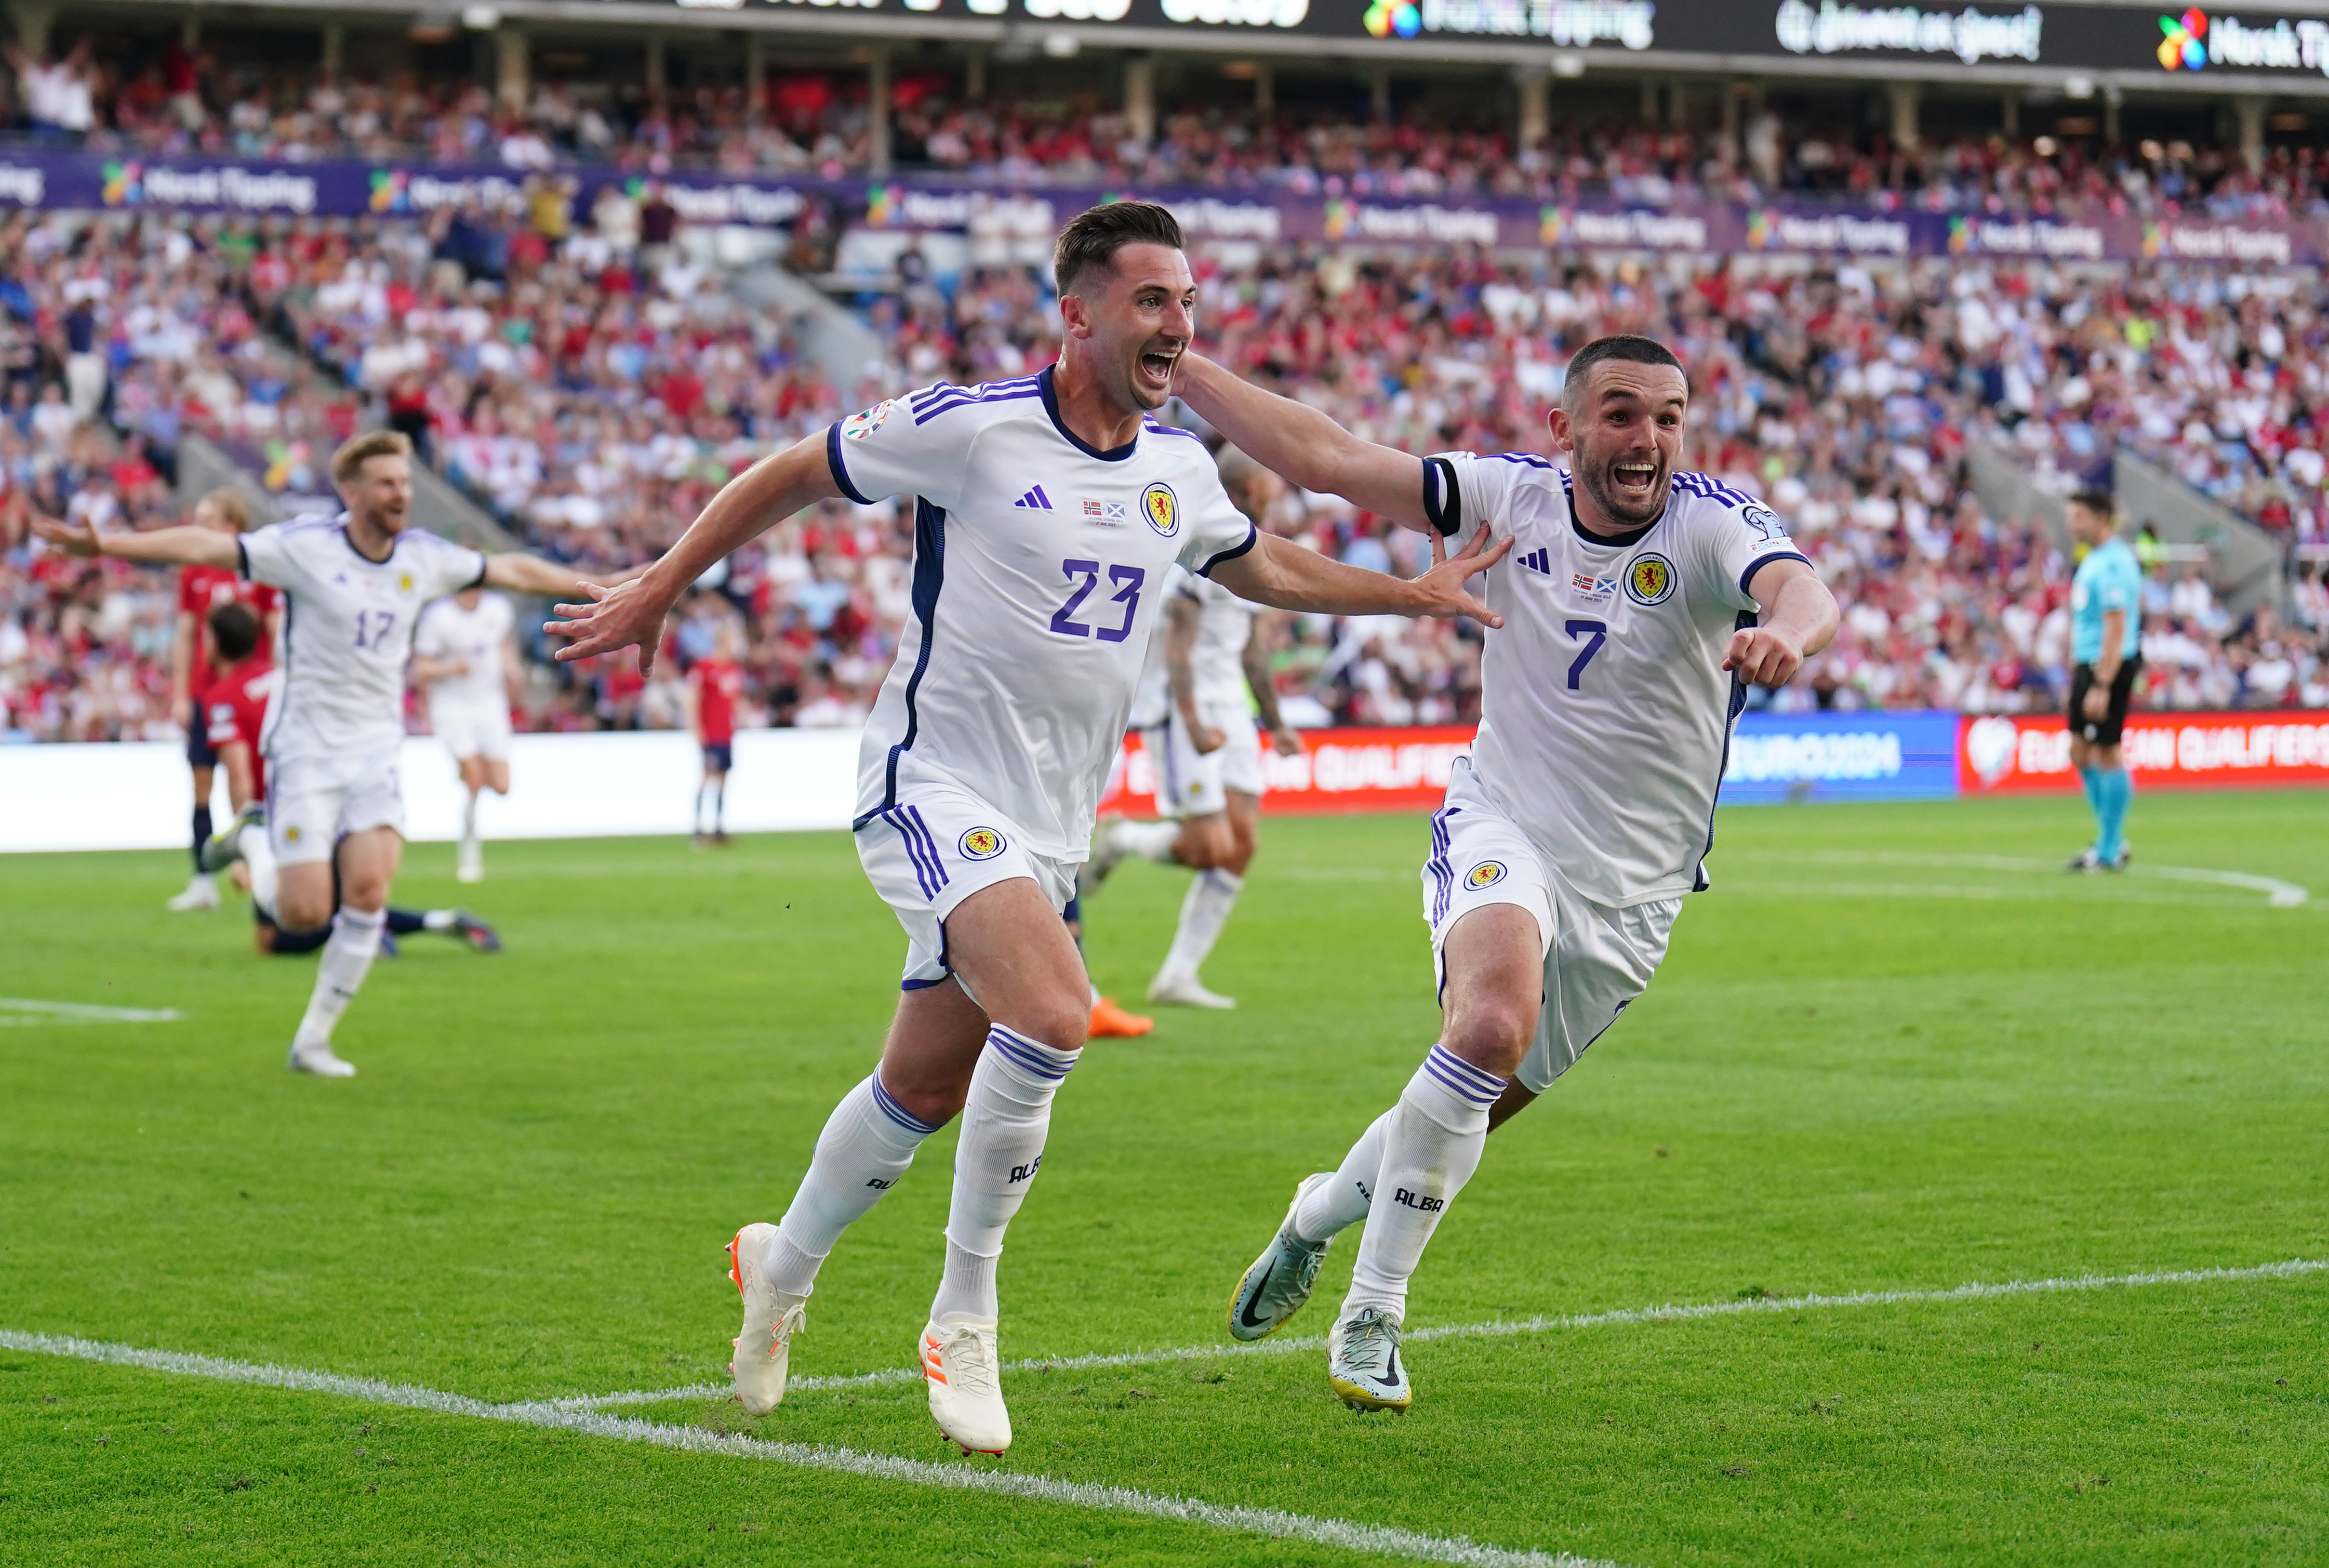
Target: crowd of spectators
x: 187, y: 102
x: 593, y: 387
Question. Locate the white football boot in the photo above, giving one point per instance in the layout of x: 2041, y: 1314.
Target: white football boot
x: 317, y: 1056
x: 771, y: 1318
x: 1182, y: 987
x: 1104, y: 857
x: 202, y: 892
x: 964, y: 1375
x: 1279, y: 1281
x: 1363, y: 1363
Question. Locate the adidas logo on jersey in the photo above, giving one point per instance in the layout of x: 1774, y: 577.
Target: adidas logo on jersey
x: 1537, y: 561
x: 1034, y: 500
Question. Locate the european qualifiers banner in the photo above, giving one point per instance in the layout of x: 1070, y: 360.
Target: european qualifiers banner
x: 71, y: 181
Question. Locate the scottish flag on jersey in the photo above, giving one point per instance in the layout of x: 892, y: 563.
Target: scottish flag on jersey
x: 1606, y: 715
x: 1016, y: 674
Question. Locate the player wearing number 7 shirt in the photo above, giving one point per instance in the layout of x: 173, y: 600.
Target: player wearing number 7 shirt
x: 1048, y: 511
x: 354, y: 586
x: 1631, y: 602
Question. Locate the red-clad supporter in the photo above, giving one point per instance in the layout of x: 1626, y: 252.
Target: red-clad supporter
x: 715, y: 686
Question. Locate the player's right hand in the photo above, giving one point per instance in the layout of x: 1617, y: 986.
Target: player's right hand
x: 616, y: 618
x: 80, y: 541
x: 1206, y: 739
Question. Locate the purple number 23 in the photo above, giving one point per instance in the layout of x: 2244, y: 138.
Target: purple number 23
x: 1127, y: 578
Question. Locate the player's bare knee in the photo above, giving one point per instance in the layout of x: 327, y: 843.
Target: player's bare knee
x: 1062, y: 1021
x: 1492, y: 1033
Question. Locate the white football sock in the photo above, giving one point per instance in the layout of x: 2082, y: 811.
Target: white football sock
x: 1003, y: 1124
x: 1430, y: 1150
x: 868, y: 1142
x: 1204, y: 911
x: 259, y: 859
x: 1148, y: 840
x: 469, y: 845
x: 1333, y: 1207
x: 340, y: 972
x: 967, y: 1287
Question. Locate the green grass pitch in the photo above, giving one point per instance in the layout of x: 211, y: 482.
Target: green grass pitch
x: 1892, y: 1049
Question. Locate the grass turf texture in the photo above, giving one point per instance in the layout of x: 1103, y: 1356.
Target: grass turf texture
x: 1871, y: 1062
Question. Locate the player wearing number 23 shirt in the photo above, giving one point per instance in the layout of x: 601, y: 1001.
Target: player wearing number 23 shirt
x: 1636, y: 603
x: 1048, y: 511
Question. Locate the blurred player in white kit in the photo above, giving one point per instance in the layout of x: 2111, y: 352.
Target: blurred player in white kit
x: 355, y: 584
x: 1201, y: 733
x: 466, y: 653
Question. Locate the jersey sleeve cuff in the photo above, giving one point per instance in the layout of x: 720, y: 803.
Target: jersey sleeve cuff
x: 840, y: 470
x: 1760, y: 562
x: 241, y: 559
x: 1251, y: 534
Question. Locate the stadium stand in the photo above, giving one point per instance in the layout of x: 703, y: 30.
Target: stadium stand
x: 588, y: 376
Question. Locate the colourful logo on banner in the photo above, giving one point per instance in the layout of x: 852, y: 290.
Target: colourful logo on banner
x: 981, y: 843
x: 1341, y: 217
x: 2184, y: 41
x: 1650, y: 579
x: 389, y: 191
x: 2155, y: 240
x: 1962, y: 235
x: 124, y: 184
x: 1162, y: 508
x: 884, y: 205
x: 1389, y: 18
x: 1551, y: 221
x: 1758, y: 228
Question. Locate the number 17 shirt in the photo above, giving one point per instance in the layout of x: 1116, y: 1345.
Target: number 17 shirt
x: 1039, y: 571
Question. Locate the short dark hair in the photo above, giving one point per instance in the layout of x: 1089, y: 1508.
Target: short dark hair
x: 1094, y: 236
x: 2094, y: 499
x: 235, y: 629
x: 1630, y: 347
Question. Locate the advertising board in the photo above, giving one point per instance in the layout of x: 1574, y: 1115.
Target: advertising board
x: 1997, y: 755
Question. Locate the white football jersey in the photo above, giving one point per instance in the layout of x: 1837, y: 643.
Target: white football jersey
x: 1224, y: 623
x: 476, y: 636
x: 1039, y: 565
x: 1605, y: 712
x: 347, y: 632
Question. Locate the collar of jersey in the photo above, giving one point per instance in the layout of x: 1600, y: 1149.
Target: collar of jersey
x: 1631, y: 537
x: 1051, y: 407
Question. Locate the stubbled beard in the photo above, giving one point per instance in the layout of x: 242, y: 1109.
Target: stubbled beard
x: 1596, y: 485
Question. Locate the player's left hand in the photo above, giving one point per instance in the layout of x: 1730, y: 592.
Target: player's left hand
x: 2096, y: 702
x: 1286, y: 741
x: 615, y: 618
x: 1763, y: 656
x: 1443, y: 585
x: 74, y: 540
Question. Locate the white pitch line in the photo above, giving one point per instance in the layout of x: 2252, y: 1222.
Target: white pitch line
x: 2278, y: 893
x: 29, y: 1013
x: 1503, y: 1328
x: 1379, y: 1540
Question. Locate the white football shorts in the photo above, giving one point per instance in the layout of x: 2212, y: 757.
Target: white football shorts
x: 471, y: 729
x: 314, y: 802
x: 1191, y: 784
x: 1597, y: 958
x: 935, y: 848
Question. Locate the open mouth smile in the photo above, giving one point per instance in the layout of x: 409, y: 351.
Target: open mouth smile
x: 1635, y: 479
x: 1156, y: 366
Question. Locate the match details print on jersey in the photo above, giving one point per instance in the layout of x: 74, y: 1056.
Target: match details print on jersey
x: 1039, y: 562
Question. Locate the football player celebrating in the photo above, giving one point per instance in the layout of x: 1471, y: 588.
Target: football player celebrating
x: 1638, y: 602
x: 1048, y: 511
x: 354, y: 585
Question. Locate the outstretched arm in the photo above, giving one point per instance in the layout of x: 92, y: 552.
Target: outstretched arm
x: 1289, y: 576
x: 523, y: 573
x: 184, y: 545
x: 763, y: 495
x: 1304, y: 445
x: 1799, y: 616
